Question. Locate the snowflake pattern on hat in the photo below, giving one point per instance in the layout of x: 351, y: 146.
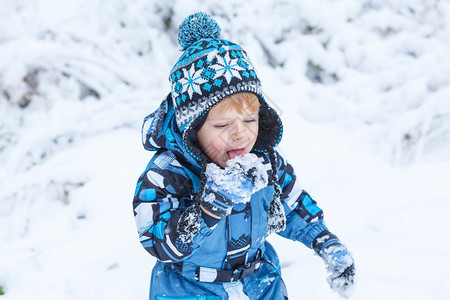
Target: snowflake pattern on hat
x: 193, y: 79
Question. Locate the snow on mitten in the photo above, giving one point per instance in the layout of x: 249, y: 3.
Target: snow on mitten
x: 235, y: 184
x: 339, y: 261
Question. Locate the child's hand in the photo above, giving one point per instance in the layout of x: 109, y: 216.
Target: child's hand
x: 339, y: 261
x: 341, y: 266
x: 242, y: 177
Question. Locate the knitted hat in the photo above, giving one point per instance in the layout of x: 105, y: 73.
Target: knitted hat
x: 209, y: 70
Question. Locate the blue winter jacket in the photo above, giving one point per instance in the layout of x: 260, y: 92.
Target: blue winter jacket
x: 166, y: 189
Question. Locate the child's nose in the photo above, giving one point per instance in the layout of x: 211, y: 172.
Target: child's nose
x: 238, y: 131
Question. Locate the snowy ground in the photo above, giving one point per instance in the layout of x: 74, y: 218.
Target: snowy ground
x: 363, y: 89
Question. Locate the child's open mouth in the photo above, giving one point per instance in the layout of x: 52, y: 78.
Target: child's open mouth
x: 236, y: 152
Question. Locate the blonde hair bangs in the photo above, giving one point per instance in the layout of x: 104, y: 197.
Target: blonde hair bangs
x: 240, y: 102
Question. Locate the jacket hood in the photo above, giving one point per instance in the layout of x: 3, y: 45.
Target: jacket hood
x: 160, y: 131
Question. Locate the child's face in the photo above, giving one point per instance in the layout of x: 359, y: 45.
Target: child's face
x: 228, y: 134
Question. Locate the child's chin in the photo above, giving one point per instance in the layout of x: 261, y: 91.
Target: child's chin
x: 222, y: 162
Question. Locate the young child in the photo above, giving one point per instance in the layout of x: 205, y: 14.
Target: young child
x: 217, y: 186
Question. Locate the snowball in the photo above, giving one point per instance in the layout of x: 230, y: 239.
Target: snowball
x: 243, y: 176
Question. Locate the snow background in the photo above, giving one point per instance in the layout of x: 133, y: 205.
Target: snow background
x: 363, y: 88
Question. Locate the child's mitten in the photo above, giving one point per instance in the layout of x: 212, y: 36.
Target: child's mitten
x: 340, y: 263
x: 242, y: 177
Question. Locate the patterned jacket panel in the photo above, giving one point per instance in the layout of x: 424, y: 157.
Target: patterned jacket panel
x: 162, y: 193
x: 304, y: 219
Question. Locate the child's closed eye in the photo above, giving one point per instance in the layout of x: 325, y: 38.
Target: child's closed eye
x: 250, y: 120
x: 221, y: 125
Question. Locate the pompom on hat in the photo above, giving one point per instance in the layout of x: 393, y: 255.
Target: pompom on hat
x: 197, y: 27
x: 209, y: 70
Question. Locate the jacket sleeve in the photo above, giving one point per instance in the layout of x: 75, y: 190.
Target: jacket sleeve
x: 162, y: 193
x: 304, y: 219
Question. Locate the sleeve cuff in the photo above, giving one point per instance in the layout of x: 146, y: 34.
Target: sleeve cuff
x: 310, y: 234
x: 209, y: 220
x: 323, y: 241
